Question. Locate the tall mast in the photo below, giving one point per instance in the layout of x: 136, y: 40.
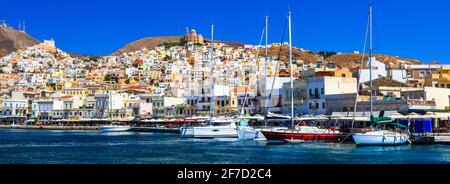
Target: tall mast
x: 292, y: 70
x: 370, y: 56
x: 211, y: 103
x: 265, y: 73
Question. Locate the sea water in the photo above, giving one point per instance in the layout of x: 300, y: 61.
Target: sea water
x: 93, y: 147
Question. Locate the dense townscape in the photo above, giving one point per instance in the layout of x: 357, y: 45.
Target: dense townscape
x: 43, y: 84
x: 196, y: 97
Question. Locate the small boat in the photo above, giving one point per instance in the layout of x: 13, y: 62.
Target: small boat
x: 303, y: 133
x: 219, y: 128
x: 381, y: 138
x: 298, y: 133
x: 115, y: 128
x: 378, y: 137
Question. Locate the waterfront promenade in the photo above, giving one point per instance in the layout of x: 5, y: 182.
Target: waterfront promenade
x: 35, y: 127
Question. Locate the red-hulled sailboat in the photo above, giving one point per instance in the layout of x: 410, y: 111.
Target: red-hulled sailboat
x: 299, y: 133
x: 303, y: 133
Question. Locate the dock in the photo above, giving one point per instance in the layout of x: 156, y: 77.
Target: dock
x: 435, y: 138
x: 37, y: 127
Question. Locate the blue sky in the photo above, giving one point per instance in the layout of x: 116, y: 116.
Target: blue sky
x: 405, y: 28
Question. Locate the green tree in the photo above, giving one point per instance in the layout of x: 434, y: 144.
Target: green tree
x: 168, y: 58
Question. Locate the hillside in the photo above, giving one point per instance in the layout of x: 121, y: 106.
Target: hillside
x: 152, y: 42
x: 297, y: 54
x: 149, y: 43
x: 12, y: 40
x: 354, y: 60
x: 349, y: 60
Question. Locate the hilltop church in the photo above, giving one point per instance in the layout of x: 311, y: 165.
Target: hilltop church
x: 193, y: 37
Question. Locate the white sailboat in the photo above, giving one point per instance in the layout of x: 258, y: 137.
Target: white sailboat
x: 377, y: 137
x: 246, y: 132
x: 216, y: 128
x: 113, y: 126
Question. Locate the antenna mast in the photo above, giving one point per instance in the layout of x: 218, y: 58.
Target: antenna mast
x: 211, y: 108
x: 265, y: 73
x: 292, y: 70
x: 371, y: 55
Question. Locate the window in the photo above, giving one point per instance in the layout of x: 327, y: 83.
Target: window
x: 436, y: 85
x: 323, y: 91
x: 323, y: 105
x: 310, y: 92
x: 442, y: 85
x: 448, y: 85
x: 343, y: 75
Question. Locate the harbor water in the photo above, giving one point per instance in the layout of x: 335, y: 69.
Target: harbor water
x: 93, y: 147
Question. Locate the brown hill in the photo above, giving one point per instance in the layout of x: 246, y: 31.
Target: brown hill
x: 152, y: 42
x: 149, y: 43
x: 349, y: 60
x: 297, y: 55
x: 354, y: 60
x: 12, y: 40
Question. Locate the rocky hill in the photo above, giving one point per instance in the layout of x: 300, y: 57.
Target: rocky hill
x: 152, y: 42
x: 354, y: 60
x: 149, y: 43
x: 12, y: 40
x: 349, y: 60
x: 298, y: 55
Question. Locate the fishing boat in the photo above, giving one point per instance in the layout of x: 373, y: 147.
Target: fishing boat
x: 377, y: 137
x: 216, y: 127
x: 298, y: 133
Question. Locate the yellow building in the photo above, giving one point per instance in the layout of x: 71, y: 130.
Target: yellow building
x: 78, y: 92
x: 330, y: 72
x: 154, y: 74
x: 441, y: 79
x: 94, y: 89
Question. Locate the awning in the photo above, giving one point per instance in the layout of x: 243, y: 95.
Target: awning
x: 443, y: 115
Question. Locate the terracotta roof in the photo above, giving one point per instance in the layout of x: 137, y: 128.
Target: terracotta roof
x: 241, y: 89
x: 133, y: 87
x: 64, y: 97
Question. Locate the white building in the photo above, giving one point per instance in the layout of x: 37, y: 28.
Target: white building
x: 311, y: 95
x: 14, y: 107
x: 379, y: 70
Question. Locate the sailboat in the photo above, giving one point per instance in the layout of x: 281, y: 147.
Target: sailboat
x: 298, y: 133
x: 246, y: 132
x: 217, y: 127
x: 377, y: 137
x: 113, y: 126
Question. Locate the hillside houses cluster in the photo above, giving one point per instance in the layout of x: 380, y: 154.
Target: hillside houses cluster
x: 43, y: 84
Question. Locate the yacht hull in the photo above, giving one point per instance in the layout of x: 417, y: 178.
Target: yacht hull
x: 249, y: 133
x: 290, y: 135
x: 209, y: 132
x: 114, y: 129
x: 380, y: 139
